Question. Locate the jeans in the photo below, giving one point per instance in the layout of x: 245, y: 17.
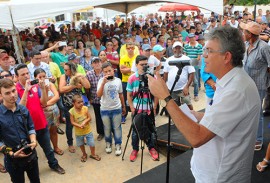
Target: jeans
x: 43, y: 138
x: 261, y: 120
x: 17, y: 172
x: 196, y: 81
x: 112, y: 124
x: 124, y: 85
x: 69, y: 127
x: 99, y: 123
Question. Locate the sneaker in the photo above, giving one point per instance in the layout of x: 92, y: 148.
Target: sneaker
x: 108, y: 148
x: 58, y: 169
x: 153, y: 153
x: 196, y: 98
x: 133, y: 155
x: 123, y: 120
x: 118, y: 151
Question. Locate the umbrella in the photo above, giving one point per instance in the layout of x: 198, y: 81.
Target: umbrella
x: 169, y: 7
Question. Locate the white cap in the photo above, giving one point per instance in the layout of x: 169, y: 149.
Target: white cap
x: 63, y: 43
x: 177, y: 43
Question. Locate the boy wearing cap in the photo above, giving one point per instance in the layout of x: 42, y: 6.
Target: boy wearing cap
x: 4, y: 62
x: 256, y: 63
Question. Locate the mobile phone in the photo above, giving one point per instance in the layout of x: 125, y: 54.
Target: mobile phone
x: 35, y: 81
x: 47, y: 82
x: 110, y: 78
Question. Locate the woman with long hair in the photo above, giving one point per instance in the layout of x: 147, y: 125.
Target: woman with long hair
x: 51, y: 111
x: 80, y: 47
x: 68, y: 90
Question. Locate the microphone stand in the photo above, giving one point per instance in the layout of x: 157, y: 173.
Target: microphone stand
x: 169, y: 127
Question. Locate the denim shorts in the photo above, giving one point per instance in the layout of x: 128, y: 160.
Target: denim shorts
x: 89, y: 140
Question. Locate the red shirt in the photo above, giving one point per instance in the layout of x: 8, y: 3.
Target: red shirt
x: 112, y: 56
x: 34, y: 106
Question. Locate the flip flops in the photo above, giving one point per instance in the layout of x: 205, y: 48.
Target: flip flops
x: 60, y: 131
x: 71, y: 149
x: 96, y: 157
x: 59, y: 152
x: 2, y: 169
x: 261, y: 167
x: 84, y: 158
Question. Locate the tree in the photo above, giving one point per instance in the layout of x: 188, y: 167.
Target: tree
x: 245, y: 2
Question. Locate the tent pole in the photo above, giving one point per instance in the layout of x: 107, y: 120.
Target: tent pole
x: 15, y: 38
x: 255, y: 7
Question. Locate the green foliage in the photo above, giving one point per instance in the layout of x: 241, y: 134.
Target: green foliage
x: 248, y: 2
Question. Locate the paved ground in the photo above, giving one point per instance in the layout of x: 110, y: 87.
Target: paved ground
x: 110, y: 169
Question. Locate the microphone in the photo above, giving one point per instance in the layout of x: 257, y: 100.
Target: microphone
x: 179, y: 63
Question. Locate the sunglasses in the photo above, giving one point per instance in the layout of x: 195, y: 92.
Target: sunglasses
x: 130, y: 48
x: 4, y: 76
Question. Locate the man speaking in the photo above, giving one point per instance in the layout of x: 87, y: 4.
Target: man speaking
x: 224, y: 138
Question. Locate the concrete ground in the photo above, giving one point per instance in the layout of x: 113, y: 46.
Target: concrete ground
x: 111, y: 168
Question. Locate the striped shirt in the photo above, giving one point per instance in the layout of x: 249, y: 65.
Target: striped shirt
x: 133, y: 85
x: 193, y: 51
x: 257, y: 62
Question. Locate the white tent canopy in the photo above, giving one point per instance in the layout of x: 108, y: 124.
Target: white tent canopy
x: 130, y: 5
x: 25, y: 12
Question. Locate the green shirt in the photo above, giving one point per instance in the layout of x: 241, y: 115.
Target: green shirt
x: 81, y: 70
x: 59, y: 58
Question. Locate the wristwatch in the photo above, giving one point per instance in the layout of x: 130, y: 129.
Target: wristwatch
x: 165, y: 101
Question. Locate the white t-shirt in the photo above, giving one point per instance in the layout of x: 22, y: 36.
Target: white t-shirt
x: 152, y: 63
x: 235, y: 25
x: 172, y: 71
x: 110, y: 99
x: 233, y: 117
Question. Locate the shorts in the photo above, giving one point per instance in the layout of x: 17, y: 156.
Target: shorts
x: 183, y: 98
x: 89, y: 140
x: 52, y: 114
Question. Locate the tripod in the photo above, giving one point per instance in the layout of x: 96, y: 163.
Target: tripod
x: 143, y: 123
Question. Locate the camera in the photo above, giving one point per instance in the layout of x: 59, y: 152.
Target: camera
x: 110, y: 78
x: 146, y: 70
x: 24, y: 144
x: 33, y: 82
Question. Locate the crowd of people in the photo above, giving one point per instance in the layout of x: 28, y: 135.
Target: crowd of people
x: 100, y: 65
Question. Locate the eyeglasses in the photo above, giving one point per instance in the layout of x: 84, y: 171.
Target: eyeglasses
x: 109, y: 44
x: 206, y: 51
x: 4, y: 76
x: 130, y: 48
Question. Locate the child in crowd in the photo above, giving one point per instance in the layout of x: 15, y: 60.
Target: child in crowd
x: 112, y: 106
x: 80, y: 118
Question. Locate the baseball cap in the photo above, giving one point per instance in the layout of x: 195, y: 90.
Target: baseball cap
x: 117, y: 29
x: 200, y: 37
x: 150, y: 31
x: 63, y: 43
x: 158, y: 48
x: 177, y: 43
x: 190, y: 35
x: 146, y: 47
x: 95, y: 59
x: 72, y: 56
x: 252, y: 27
x: 264, y: 22
x: 107, y: 30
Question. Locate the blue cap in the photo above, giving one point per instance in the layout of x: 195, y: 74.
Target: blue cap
x: 158, y: 48
x: 146, y: 47
x: 190, y: 35
x: 72, y: 56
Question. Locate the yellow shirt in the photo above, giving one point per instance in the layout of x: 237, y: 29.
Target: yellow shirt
x: 55, y: 72
x: 127, y: 61
x: 123, y: 50
x: 79, y: 117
